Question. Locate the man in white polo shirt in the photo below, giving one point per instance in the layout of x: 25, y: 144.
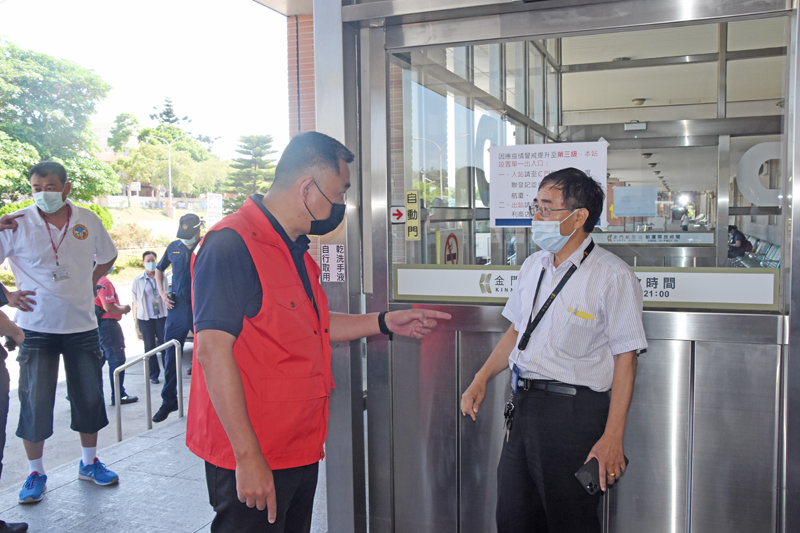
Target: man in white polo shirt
x: 51, y: 247
x: 576, y: 328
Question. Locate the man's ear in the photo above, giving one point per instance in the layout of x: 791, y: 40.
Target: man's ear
x: 581, y: 216
x: 305, y: 183
x: 67, y: 189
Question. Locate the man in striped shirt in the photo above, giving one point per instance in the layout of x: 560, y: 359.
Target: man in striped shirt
x: 573, y: 360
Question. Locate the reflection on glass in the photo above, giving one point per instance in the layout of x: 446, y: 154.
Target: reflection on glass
x: 552, y: 99
x: 536, y: 85
x: 515, y: 75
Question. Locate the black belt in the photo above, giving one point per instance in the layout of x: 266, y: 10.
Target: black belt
x: 556, y: 387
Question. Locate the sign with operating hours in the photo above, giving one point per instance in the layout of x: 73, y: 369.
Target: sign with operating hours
x: 412, y: 215
x: 516, y: 172
x: 703, y: 288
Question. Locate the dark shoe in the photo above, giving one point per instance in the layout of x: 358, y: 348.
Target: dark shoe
x: 7, y: 527
x: 154, y: 381
x: 189, y: 372
x: 163, y: 412
x: 129, y: 399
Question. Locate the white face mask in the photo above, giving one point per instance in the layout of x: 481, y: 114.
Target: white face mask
x: 150, y: 266
x: 189, y: 242
x: 547, y: 234
x: 48, y: 201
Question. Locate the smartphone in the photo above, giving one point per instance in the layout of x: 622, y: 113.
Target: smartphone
x: 589, y: 476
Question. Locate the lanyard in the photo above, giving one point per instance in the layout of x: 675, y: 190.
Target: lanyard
x: 533, y: 322
x: 152, y: 285
x: 66, y: 227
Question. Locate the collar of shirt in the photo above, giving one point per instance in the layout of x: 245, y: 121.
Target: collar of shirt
x: 37, y: 220
x: 298, y: 247
x: 574, y: 259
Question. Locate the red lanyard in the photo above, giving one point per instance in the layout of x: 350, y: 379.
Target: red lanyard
x: 66, y: 227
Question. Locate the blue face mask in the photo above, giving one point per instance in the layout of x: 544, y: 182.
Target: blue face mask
x: 189, y: 242
x: 547, y: 234
x: 48, y: 201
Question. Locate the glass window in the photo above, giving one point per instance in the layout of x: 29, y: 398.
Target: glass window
x: 536, y: 85
x: 515, y: 75
x: 553, y: 119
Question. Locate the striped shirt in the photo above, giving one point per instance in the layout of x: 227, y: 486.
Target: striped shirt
x: 598, y: 314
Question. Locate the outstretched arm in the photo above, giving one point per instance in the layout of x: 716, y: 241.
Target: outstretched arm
x: 411, y: 323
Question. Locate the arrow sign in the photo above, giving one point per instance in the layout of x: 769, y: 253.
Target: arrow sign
x: 398, y: 215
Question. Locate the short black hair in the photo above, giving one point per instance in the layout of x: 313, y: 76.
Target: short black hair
x: 731, y: 227
x: 149, y: 252
x: 49, y: 168
x: 578, y: 190
x: 308, y: 150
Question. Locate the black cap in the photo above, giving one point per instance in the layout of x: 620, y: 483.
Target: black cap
x: 188, y: 226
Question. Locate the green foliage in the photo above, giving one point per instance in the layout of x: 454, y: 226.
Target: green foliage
x: 7, y: 279
x: 134, y: 236
x: 231, y: 205
x: 10, y: 208
x: 253, y: 173
x: 102, y: 213
x: 90, y: 178
x: 168, y: 133
x: 125, y: 126
x: 16, y: 159
x: 47, y: 102
x: 167, y: 115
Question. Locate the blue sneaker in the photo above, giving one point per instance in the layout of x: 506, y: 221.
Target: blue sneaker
x: 33, y: 489
x: 98, y: 473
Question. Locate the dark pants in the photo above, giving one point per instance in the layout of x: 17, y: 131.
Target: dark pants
x: 38, y: 375
x: 112, y: 342
x: 153, y: 335
x: 4, y: 391
x: 550, y: 438
x: 294, y: 492
x: 178, y: 326
x: 684, y: 228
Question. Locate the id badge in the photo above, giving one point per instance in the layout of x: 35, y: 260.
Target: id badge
x: 60, y: 274
x: 156, y: 307
x: 514, y: 378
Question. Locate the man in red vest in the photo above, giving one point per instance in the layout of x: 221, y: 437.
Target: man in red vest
x: 260, y: 395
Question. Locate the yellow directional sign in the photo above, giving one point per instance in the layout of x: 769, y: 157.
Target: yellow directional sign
x: 412, y: 215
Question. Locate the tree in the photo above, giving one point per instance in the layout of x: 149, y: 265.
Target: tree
x: 251, y: 174
x: 16, y: 160
x: 125, y: 126
x: 167, y: 115
x: 207, y: 141
x: 90, y: 177
x: 46, y: 102
x: 170, y: 132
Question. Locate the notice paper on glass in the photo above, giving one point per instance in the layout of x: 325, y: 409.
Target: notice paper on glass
x: 635, y: 201
x: 516, y: 171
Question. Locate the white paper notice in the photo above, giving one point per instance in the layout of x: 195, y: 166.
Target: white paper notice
x: 635, y: 201
x: 332, y: 264
x: 516, y: 172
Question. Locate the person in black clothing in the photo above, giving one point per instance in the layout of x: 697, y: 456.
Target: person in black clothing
x: 735, y: 242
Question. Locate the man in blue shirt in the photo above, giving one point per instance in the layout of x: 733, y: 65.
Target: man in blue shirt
x: 179, y: 304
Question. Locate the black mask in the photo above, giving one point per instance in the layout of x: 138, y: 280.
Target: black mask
x: 323, y: 227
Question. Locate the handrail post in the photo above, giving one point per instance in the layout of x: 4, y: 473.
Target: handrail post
x: 147, y: 401
x: 179, y: 370
x: 118, y: 404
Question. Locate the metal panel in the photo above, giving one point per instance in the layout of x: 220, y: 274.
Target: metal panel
x: 481, y: 441
x: 678, y: 128
x: 425, y: 433
x: 723, y: 197
x: 374, y: 143
x: 791, y: 420
x: 336, y: 116
x: 675, y: 60
x: 571, y: 20
x: 651, y: 497
x: 735, y: 441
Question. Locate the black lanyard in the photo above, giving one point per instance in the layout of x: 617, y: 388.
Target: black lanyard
x: 533, y: 322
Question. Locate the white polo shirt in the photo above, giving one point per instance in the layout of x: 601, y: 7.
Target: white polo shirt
x: 61, y: 306
x: 598, y: 314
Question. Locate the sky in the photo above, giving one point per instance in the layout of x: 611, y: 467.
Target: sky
x: 223, y: 62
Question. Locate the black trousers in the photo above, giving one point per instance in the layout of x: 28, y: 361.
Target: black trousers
x: 551, y: 436
x: 5, y: 382
x: 294, y: 491
x: 153, y: 335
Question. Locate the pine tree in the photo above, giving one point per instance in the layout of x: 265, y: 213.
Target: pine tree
x: 167, y: 115
x: 253, y: 173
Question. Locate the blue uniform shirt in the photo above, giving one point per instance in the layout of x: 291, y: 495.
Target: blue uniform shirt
x: 226, y: 280
x: 180, y: 257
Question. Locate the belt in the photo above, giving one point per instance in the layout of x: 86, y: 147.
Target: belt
x: 556, y: 387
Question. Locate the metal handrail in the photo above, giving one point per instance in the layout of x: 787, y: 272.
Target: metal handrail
x: 146, y: 358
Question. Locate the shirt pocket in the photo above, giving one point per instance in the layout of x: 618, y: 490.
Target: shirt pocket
x: 289, y: 314
x: 579, y: 333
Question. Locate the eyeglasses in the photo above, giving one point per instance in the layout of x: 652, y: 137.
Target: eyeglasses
x: 544, y: 210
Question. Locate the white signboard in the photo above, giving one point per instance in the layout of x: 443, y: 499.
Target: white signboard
x: 635, y: 201
x: 651, y: 238
x: 688, y: 287
x: 135, y: 186
x: 331, y: 261
x: 398, y: 214
x: 214, y: 208
x: 516, y: 172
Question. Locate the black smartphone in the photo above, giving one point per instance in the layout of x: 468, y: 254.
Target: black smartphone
x: 589, y: 475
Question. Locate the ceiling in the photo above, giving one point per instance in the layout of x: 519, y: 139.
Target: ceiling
x: 288, y: 8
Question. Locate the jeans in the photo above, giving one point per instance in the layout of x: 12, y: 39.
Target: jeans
x: 179, y: 323
x: 112, y: 343
x: 153, y: 335
x: 38, y: 374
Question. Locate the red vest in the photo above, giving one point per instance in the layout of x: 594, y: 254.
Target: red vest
x: 284, y: 357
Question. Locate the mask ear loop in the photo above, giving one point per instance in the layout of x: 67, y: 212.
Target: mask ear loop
x: 559, y: 224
